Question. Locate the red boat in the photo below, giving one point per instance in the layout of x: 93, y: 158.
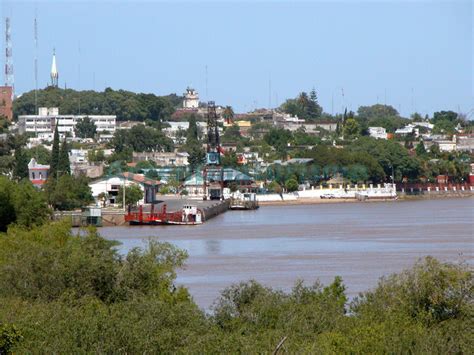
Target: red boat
x: 189, y: 215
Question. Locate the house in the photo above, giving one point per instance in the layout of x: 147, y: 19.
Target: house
x: 110, y: 186
x: 378, y: 132
x: 465, y: 143
x: 37, y: 173
x: 408, y: 130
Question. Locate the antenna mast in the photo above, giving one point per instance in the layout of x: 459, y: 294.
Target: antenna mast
x: 36, y: 64
x: 9, y: 78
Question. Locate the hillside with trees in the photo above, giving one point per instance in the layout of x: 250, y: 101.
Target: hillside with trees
x: 126, y: 105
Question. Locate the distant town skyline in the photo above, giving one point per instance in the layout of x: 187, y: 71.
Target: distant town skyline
x: 416, y: 56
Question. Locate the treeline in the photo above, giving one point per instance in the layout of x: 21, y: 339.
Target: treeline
x: 74, y: 293
x: 126, y: 105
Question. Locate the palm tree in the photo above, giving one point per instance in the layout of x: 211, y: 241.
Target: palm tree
x: 228, y: 114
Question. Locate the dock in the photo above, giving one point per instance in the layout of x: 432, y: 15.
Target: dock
x: 209, y: 208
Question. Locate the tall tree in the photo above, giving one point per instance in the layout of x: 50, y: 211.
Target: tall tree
x: 63, y: 164
x: 20, y: 170
x: 192, y: 135
x: 53, y: 165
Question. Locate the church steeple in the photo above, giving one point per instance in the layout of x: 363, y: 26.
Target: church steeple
x: 54, y: 71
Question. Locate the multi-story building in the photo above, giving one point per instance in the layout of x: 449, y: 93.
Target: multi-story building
x: 6, y: 104
x: 47, y: 119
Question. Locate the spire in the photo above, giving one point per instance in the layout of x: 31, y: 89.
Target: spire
x: 54, y: 71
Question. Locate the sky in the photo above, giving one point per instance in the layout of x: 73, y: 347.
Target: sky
x: 414, y: 55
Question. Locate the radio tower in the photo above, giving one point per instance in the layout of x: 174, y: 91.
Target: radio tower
x: 9, y: 79
x: 36, y: 64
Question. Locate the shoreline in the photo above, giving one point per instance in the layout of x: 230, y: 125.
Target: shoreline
x: 317, y: 201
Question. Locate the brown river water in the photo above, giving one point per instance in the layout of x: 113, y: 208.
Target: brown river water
x: 277, y: 245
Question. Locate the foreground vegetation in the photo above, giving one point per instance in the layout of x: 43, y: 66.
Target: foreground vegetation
x: 74, y: 293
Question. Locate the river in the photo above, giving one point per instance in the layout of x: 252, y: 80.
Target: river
x: 277, y: 245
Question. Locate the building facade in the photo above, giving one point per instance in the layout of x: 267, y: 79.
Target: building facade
x: 47, y: 119
x: 191, y: 99
x: 162, y: 158
x: 37, y: 173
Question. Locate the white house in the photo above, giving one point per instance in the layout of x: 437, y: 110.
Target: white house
x: 110, y: 187
x: 378, y: 132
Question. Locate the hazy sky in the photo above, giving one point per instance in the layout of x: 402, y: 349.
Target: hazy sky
x: 414, y: 55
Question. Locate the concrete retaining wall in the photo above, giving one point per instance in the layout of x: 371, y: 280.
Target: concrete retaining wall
x: 212, y: 210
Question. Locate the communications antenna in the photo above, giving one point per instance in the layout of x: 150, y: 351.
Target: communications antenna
x: 9, y: 78
x: 36, y: 64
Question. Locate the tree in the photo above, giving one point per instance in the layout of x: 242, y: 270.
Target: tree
x: 94, y: 156
x: 291, y: 185
x: 7, y: 207
x: 22, y: 204
x: 141, y: 139
x: 192, y: 135
x: 31, y: 207
x: 196, y: 158
x: 9, y: 337
x: 351, y: 129
x: 133, y: 194
x: 124, y: 104
x: 232, y: 134
x: 40, y: 153
x: 420, y: 149
x: 230, y: 160
x: 228, y: 114
x: 63, y: 164
x: 450, y: 116
x: 55, y: 154
x: 314, y: 110
x: 69, y: 192
x: 85, y: 128
x: 20, y: 170
x: 304, y: 106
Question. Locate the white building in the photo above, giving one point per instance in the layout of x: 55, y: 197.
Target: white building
x: 378, y: 132
x: 109, y: 186
x: 408, y: 129
x: 47, y: 119
x: 191, y: 98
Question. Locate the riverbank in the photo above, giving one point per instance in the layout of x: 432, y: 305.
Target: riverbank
x: 400, y: 197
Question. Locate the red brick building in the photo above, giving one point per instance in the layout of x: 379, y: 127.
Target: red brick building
x: 6, y: 104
